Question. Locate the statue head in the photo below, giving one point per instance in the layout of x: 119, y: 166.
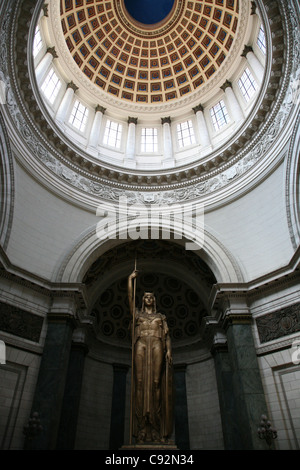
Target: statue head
x: 149, y: 301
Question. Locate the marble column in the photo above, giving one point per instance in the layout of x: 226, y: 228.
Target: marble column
x: 182, y: 438
x: 202, y: 127
x: 233, y: 104
x: 96, y: 127
x: 255, y: 65
x: 229, y: 416
x: 66, y: 102
x: 117, y: 422
x: 168, y: 156
x: 72, y: 393
x: 49, y: 392
x: 130, y: 145
x: 43, y: 66
x: 246, y: 380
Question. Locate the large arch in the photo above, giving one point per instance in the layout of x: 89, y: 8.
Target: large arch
x: 7, y: 186
x: 292, y: 172
x: 89, y: 248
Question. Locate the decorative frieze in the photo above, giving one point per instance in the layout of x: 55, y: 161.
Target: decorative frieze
x: 20, y: 323
x: 285, y: 321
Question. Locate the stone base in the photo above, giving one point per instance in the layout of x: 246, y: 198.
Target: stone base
x: 150, y: 446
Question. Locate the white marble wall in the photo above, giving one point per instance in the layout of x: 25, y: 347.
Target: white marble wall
x: 279, y: 363
x: 17, y: 384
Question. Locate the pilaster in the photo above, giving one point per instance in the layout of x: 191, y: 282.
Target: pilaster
x: 49, y: 392
x: 182, y: 438
x: 116, y: 439
x: 246, y: 380
x: 70, y: 408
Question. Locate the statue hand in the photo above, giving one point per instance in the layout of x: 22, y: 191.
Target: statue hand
x: 169, y: 357
x: 134, y: 274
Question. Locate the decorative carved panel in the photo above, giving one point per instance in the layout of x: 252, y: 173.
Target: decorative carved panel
x: 279, y: 323
x: 20, y: 323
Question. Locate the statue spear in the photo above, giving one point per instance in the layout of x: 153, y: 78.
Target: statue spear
x: 132, y: 355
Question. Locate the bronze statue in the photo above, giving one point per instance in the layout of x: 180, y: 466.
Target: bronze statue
x: 152, y: 396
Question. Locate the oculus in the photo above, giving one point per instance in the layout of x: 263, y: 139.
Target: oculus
x: 149, y: 11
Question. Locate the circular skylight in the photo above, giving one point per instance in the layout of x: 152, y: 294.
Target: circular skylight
x: 149, y: 11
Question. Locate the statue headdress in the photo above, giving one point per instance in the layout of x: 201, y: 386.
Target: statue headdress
x: 143, y: 302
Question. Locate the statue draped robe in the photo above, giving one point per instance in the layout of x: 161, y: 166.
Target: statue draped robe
x: 153, y: 379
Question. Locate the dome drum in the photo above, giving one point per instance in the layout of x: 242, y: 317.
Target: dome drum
x: 208, y: 162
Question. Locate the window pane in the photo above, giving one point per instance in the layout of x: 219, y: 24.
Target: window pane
x: 247, y: 85
x: 51, y: 86
x: 79, y: 116
x: 37, y: 42
x: 185, y: 134
x: 261, y: 40
x: 219, y: 115
x: 112, y: 134
x: 149, y: 140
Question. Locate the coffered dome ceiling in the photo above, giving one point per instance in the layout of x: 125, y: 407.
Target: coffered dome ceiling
x: 177, y: 44
x: 158, y: 63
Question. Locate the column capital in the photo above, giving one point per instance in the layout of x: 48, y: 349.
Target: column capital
x: 72, y: 86
x: 45, y: 9
x: 246, y: 50
x: 253, y: 8
x: 225, y: 85
x: 166, y: 120
x: 101, y: 109
x: 61, y: 318
x: 197, y: 108
x: 218, y: 348
x: 132, y: 120
x: 237, y: 319
x: 52, y: 51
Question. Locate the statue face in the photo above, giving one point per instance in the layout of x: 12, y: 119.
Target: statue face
x: 148, y: 299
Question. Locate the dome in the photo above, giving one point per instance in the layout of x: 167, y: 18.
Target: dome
x: 152, y: 64
x: 186, y: 147
x: 151, y: 103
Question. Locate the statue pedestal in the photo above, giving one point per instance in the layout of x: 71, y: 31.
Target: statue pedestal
x: 150, y: 446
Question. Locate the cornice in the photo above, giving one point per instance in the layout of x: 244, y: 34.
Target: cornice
x: 258, y: 287
x: 37, y: 284
x: 256, y: 138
